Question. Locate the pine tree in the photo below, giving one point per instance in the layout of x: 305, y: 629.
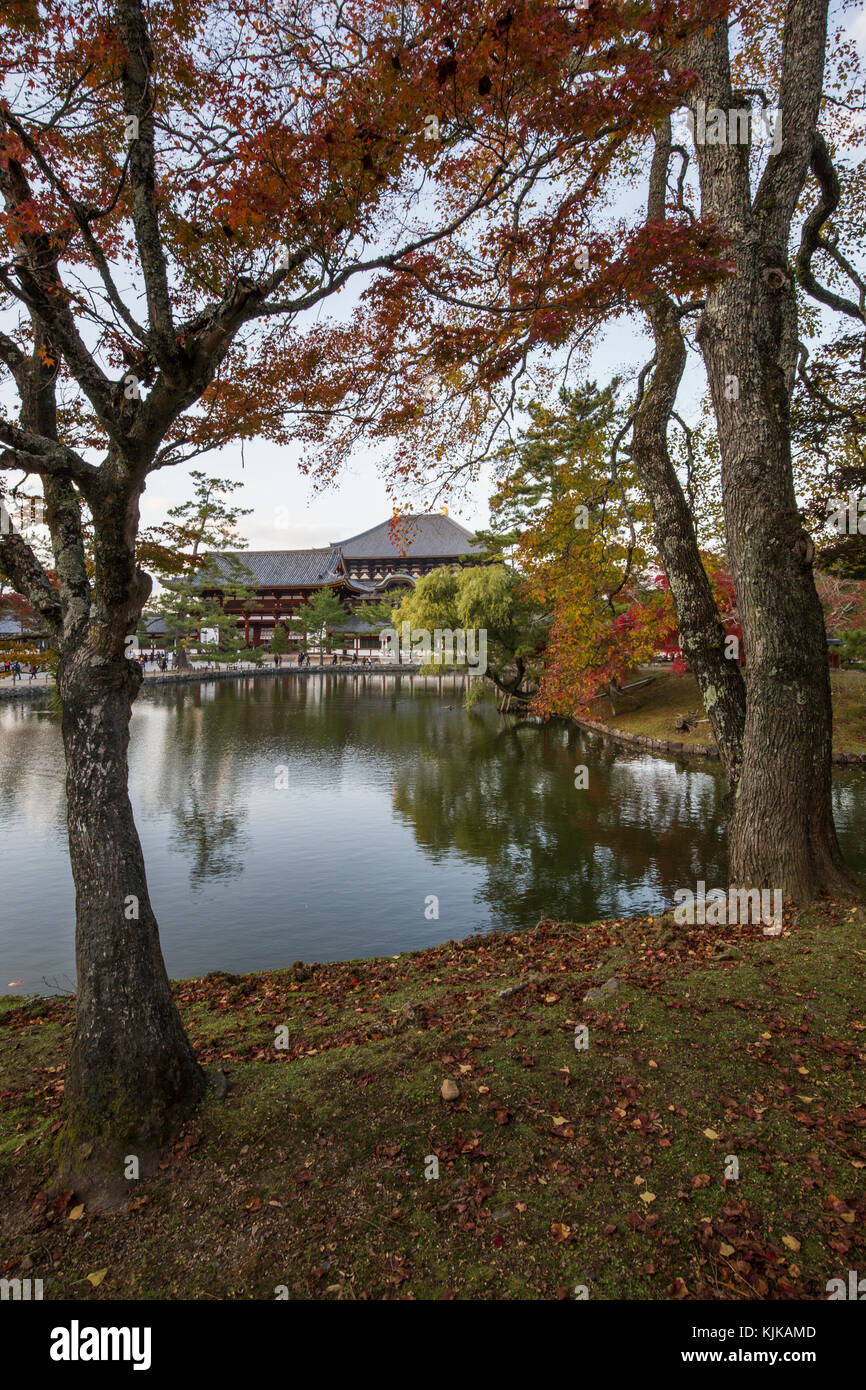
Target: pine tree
x: 199, y: 621
x: 280, y: 640
x: 316, y: 624
x: 176, y: 552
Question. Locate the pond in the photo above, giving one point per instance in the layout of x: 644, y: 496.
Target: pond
x: 322, y: 817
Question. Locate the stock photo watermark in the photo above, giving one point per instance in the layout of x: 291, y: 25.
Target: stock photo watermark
x: 441, y: 647
x: 753, y: 125
x: 732, y: 907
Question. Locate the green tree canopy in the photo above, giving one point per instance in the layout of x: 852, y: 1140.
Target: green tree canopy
x: 208, y: 521
x: 488, y: 598
x: 318, y: 622
x: 280, y: 640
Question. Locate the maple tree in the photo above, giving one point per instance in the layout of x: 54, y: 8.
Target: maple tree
x: 183, y: 186
x: 727, y: 248
x: 782, y: 828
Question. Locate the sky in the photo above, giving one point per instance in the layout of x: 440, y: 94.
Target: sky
x: 274, y: 487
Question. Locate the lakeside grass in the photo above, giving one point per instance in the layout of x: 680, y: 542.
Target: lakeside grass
x: 557, y: 1168
x: 653, y: 710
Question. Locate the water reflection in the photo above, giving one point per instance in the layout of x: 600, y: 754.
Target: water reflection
x: 509, y: 801
x: 393, y: 793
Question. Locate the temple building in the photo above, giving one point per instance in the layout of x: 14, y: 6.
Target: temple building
x: 383, y: 560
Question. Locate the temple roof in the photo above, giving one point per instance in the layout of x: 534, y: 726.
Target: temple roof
x: 276, y: 568
x: 425, y: 536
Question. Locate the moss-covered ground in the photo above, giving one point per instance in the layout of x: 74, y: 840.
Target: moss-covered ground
x: 708, y: 1142
x: 653, y: 709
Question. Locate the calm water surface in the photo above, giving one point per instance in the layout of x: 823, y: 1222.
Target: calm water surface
x: 395, y: 795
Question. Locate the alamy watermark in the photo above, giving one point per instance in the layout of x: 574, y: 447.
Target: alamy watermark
x: 736, y: 906
x: 77, y: 1343
x: 739, y: 125
x: 849, y: 519
x: 443, y: 647
x: 854, y: 1289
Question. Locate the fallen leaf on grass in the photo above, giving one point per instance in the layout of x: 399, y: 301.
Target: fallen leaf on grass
x: 647, y: 1197
x: 97, y: 1276
x: 711, y: 1134
x: 77, y: 1212
x: 791, y: 1242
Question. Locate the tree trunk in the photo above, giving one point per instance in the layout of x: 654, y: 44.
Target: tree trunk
x: 782, y: 833
x: 132, y: 1074
x: 701, y: 633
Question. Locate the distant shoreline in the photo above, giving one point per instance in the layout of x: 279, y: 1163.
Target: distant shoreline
x: 24, y: 690
x: 670, y: 748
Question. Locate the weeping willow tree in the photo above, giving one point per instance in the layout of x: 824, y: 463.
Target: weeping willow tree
x: 487, y: 608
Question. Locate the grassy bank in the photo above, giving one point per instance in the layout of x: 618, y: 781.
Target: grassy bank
x: 653, y: 710
x: 557, y: 1167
